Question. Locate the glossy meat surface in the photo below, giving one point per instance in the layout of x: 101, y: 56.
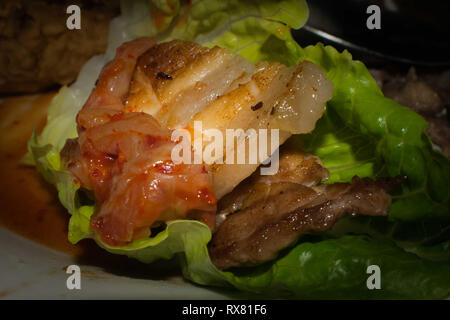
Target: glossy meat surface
x: 125, y: 159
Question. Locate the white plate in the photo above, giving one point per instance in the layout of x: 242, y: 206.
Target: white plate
x: 31, y: 271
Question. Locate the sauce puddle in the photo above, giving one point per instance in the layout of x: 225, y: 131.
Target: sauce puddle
x: 28, y: 205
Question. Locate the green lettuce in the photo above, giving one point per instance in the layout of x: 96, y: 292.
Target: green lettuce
x: 427, y: 239
x: 396, y: 143
x: 362, y: 133
x: 329, y: 268
x: 366, y: 134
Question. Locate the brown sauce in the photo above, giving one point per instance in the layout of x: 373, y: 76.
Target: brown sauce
x: 28, y: 205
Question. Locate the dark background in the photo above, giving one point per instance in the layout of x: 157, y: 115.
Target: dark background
x: 413, y: 32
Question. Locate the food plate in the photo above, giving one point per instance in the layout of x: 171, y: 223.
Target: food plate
x: 32, y: 271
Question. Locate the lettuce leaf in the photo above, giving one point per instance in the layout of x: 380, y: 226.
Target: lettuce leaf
x: 247, y: 28
x: 427, y: 239
x: 396, y: 141
x: 365, y: 134
x: 337, y: 268
x: 329, y: 268
x: 362, y: 133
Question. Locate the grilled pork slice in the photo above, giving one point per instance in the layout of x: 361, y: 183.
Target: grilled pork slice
x: 264, y: 216
x: 148, y: 90
x: 295, y: 167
